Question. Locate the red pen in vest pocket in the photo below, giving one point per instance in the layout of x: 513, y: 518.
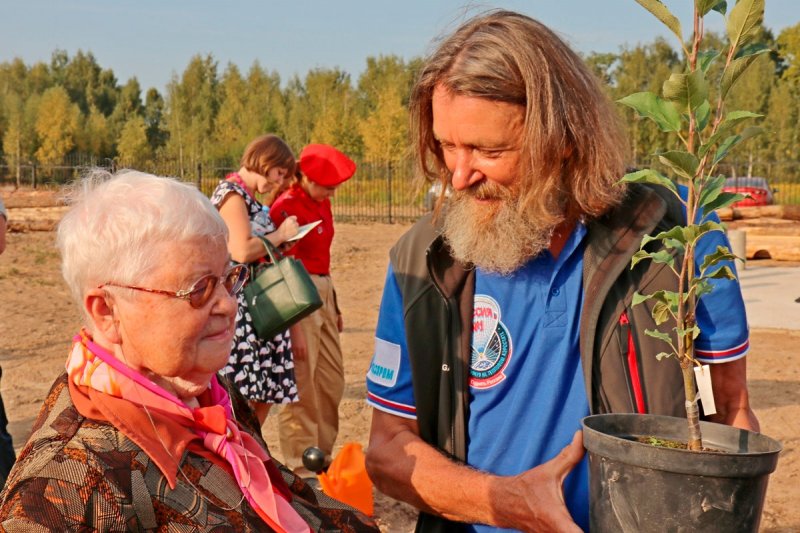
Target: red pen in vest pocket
x: 633, y: 364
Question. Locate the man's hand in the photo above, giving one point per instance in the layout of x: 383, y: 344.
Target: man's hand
x: 537, y: 495
x: 404, y: 467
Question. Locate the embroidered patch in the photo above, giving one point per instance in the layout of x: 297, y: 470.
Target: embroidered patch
x: 491, y: 344
x: 385, y: 363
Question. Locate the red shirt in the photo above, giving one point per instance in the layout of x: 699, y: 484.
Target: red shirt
x: 314, y: 250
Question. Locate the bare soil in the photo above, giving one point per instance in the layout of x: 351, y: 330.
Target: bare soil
x: 38, y: 319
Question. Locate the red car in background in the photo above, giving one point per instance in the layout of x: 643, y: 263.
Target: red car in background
x: 758, y: 190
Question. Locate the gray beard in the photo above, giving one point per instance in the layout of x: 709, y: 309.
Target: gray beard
x: 496, y: 237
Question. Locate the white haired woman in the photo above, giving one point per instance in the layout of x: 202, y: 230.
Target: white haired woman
x: 139, y: 433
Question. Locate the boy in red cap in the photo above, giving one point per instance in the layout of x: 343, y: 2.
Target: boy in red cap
x: 319, y: 369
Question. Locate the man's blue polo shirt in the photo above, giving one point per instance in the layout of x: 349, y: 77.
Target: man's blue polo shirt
x: 527, y: 394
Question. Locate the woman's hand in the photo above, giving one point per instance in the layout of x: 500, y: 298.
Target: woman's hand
x: 288, y: 229
x: 299, y: 345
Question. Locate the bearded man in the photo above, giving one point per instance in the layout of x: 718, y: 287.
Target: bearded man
x: 506, y: 316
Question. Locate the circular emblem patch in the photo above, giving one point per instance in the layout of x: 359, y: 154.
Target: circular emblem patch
x: 491, y: 344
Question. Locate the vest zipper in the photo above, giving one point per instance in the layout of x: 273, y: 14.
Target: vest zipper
x: 631, y: 358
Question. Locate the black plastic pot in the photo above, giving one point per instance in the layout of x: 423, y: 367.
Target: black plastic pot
x: 636, y: 487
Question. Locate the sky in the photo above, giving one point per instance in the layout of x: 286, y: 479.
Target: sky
x: 155, y: 39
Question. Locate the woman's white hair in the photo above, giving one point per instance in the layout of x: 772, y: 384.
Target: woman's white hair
x: 117, y: 222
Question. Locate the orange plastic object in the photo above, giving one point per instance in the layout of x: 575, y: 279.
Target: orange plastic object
x: 347, y: 480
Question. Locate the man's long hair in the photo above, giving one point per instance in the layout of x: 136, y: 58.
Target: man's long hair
x: 573, y: 145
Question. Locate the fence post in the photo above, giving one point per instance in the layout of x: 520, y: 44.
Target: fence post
x: 389, y: 184
x: 33, y: 175
x: 200, y: 175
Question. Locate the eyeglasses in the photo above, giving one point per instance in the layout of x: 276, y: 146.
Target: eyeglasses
x: 200, y: 292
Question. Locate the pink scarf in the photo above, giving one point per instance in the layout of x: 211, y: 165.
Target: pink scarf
x: 90, y: 365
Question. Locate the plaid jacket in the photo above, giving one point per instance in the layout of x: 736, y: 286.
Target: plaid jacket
x: 79, y: 474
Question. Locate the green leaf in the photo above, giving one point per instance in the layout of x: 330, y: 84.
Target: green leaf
x: 648, y: 105
x: 734, y: 70
x: 663, y: 14
x: 686, y: 90
x: 711, y: 188
x: 706, y: 58
x: 752, y: 50
x: 704, y: 6
x: 675, y: 233
x: 701, y: 287
x: 731, y: 119
x: 658, y: 335
x: 649, y: 176
x: 682, y: 163
x: 733, y: 140
x: 661, y: 313
x: 724, y: 272
x: 692, y: 232
x: 722, y: 201
x: 639, y: 298
x: 663, y: 355
x: 694, y: 331
x: 721, y: 7
x: 744, y: 21
x: 675, y: 244
x: 720, y: 254
x: 702, y: 114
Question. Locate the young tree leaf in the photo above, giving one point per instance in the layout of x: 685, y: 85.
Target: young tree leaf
x: 647, y: 104
x: 701, y: 286
x: 744, y: 22
x: 649, y: 176
x: 752, y: 50
x: 721, y: 7
x: 663, y: 14
x: 731, y: 119
x: 723, y: 272
x: 686, y: 90
x: 704, y: 6
x: 733, y: 140
x: 682, y: 163
x: 711, y: 187
x: 663, y: 355
x: 658, y: 335
x: 734, y: 70
x: 675, y: 244
x: 722, y: 201
x: 706, y: 58
x: 694, y: 331
x: 639, y: 298
x: 675, y: 234
x: 702, y: 114
x: 720, y: 254
x: 692, y: 232
x: 661, y: 313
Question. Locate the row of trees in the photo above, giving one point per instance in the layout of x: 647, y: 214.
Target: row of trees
x: 75, y: 106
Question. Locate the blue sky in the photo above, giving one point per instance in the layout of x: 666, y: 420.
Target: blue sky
x: 152, y: 39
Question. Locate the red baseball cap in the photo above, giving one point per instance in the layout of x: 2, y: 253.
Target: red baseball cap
x: 325, y: 165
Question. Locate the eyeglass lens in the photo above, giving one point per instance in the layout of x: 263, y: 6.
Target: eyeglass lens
x: 204, y: 288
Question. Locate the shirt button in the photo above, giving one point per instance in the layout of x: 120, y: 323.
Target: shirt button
x: 556, y: 291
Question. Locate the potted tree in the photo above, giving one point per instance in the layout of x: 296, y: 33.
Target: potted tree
x: 717, y: 480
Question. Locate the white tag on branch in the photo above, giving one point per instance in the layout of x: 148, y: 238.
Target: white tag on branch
x: 702, y: 375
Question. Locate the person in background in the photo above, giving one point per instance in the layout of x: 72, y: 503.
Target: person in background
x: 314, y: 419
x: 507, y: 317
x: 139, y: 433
x: 7, y: 456
x: 262, y: 369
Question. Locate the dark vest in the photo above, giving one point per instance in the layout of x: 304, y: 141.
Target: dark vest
x: 438, y: 294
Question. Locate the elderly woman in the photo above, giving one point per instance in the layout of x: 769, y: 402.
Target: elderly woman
x: 139, y: 433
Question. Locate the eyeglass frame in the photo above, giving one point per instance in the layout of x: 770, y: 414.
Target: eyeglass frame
x: 186, y: 294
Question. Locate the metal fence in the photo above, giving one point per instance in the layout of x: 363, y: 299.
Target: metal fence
x: 381, y: 192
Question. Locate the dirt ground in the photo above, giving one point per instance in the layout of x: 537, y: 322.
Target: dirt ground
x: 37, y: 320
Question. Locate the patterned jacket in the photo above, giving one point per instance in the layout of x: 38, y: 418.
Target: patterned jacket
x: 79, y: 474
